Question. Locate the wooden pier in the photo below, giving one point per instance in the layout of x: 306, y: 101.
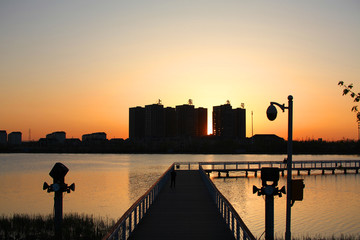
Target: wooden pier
x: 254, y: 167
x: 196, y: 209
x: 184, y: 212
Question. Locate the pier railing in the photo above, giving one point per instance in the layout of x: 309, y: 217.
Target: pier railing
x: 341, y: 166
x: 227, y: 211
x: 127, y: 223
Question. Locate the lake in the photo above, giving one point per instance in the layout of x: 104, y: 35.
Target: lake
x: 108, y: 184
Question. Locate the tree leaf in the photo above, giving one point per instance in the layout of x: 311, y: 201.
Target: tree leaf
x: 354, y: 109
x: 352, y: 95
x: 345, y: 91
x: 350, y: 86
x: 341, y: 83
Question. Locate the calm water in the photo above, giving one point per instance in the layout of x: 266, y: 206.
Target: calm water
x: 107, y: 185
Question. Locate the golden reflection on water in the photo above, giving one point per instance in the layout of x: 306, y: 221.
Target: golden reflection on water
x: 107, y: 185
x: 331, y: 205
x: 99, y: 193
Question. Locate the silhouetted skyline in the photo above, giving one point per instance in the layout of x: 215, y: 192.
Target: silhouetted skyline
x: 79, y: 66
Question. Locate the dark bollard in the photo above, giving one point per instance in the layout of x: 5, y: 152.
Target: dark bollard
x: 59, y: 186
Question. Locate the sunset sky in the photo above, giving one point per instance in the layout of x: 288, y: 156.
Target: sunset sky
x: 78, y: 66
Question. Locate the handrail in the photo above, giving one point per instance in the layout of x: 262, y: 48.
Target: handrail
x: 227, y: 211
x: 127, y: 223
x: 303, y: 164
x: 193, y: 165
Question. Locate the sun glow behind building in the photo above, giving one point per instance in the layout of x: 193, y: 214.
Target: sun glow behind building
x: 80, y: 71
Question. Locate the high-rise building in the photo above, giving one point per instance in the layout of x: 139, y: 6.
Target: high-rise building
x: 137, y: 123
x: 228, y: 122
x: 154, y: 121
x: 223, y: 120
x: 185, y: 119
x: 240, y: 122
x: 170, y: 122
x: 201, y: 122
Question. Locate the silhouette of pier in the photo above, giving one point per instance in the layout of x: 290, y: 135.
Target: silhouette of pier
x: 195, y: 208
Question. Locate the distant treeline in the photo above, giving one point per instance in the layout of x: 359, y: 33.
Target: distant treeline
x: 269, y: 144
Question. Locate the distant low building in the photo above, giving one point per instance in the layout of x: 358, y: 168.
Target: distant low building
x: 72, y: 141
x: 14, y: 138
x: 99, y: 136
x: 57, y: 136
x: 3, y: 137
x: 266, y: 138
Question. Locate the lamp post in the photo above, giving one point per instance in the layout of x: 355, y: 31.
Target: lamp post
x: 271, y: 113
x: 59, y: 186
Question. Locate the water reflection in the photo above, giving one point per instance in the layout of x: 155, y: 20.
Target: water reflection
x: 331, y: 205
x: 107, y: 185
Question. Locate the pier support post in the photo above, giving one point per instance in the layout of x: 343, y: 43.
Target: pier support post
x: 255, y: 173
x: 309, y: 172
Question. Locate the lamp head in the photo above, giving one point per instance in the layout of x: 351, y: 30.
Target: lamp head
x: 271, y: 112
x: 45, y: 186
x: 58, y: 172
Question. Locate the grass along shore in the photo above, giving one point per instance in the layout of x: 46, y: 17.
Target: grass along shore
x: 81, y: 226
x: 75, y: 226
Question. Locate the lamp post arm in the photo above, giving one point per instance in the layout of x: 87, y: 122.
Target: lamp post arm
x: 279, y: 105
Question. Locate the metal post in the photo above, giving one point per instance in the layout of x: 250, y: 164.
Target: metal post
x: 58, y: 209
x: 269, y: 217
x: 59, y: 186
x: 289, y: 170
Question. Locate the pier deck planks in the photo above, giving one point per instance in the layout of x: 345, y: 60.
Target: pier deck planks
x: 186, y: 212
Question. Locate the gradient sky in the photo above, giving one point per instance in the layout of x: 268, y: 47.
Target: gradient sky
x: 77, y: 66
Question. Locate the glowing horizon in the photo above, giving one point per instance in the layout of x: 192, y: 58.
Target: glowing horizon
x: 78, y: 67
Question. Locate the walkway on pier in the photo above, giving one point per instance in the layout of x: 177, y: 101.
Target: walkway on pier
x: 186, y: 212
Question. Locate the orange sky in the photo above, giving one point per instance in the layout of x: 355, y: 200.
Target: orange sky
x: 79, y: 66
